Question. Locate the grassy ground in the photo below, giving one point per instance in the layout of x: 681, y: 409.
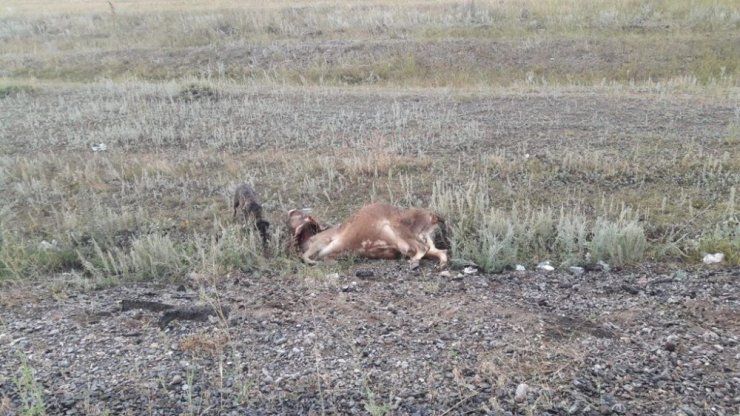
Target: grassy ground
x: 569, y: 131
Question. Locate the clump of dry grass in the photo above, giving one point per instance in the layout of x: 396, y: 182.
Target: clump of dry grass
x: 496, y: 239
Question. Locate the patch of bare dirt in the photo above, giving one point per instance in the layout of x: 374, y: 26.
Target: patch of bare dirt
x: 389, y: 340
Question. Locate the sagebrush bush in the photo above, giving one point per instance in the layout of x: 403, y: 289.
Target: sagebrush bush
x: 496, y: 239
x: 236, y: 248
x: 151, y: 257
x: 620, y: 242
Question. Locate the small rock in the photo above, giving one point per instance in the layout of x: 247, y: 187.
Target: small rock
x: 545, y: 265
x: 619, y: 408
x: 364, y: 274
x: 670, y: 343
x: 445, y: 273
x: 470, y: 270
x: 332, y: 276
x: 177, y: 379
x: 520, y: 268
x: 713, y: 258
x: 680, y: 275
x: 630, y: 289
x: 709, y: 336
x: 47, y: 246
x: 605, y: 267
x: 521, y: 393
x: 575, y: 270
x: 98, y: 147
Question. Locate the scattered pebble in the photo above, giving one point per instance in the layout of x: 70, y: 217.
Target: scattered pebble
x: 521, y: 393
x: 470, y: 270
x: 713, y: 258
x: 545, y: 265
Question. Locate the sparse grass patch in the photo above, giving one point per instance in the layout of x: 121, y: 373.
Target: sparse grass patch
x: 496, y: 239
x: 723, y: 238
x: 14, y: 90
x: 30, y: 391
x: 235, y: 248
x: 733, y: 135
x: 201, y: 91
x: 151, y: 257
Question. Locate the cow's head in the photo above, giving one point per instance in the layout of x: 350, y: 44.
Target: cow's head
x: 301, y: 227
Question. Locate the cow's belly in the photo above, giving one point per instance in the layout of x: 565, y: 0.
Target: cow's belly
x: 378, y: 249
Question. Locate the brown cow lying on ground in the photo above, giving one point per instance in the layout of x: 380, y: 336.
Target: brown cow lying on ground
x: 377, y: 231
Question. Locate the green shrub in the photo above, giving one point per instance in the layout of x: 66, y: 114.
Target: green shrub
x: 15, y: 90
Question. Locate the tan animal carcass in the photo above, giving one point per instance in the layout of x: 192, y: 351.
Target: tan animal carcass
x: 377, y: 231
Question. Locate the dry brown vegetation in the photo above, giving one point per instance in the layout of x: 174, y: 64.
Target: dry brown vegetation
x: 548, y: 113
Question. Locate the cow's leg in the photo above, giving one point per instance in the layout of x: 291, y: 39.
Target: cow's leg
x: 433, y: 251
x: 307, y: 259
x: 420, y: 253
x: 406, y: 245
x: 333, y: 247
x: 321, y: 250
x: 441, y: 255
x: 310, y: 252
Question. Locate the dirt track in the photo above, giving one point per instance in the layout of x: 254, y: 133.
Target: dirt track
x: 647, y: 342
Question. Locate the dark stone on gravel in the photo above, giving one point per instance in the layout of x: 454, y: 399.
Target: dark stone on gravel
x: 632, y: 290
x: 129, y: 304
x: 193, y: 313
x: 364, y: 274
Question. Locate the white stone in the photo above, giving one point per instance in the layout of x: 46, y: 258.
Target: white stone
x: 714, y: 258
x: 521, y: 392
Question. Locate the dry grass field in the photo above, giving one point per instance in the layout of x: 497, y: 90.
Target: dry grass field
x: 579, y: 132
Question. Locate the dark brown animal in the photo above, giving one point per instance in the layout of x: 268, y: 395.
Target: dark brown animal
x: 377, y: 231
x: 246, y: 201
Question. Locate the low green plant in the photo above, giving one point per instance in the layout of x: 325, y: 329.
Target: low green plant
x: 496, y: 239
x: 15, y: 90
x: 29, y: 390
x: 372, y: 405
x: 619, y: 243
x: 198, y: 91
x: 151, y: 257
x: 236, y: 247
x: 725, y: 239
